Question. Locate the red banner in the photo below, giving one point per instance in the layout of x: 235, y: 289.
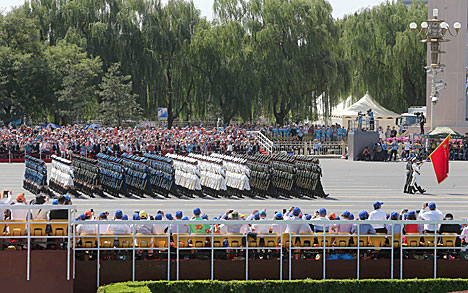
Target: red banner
x: 440, y: 160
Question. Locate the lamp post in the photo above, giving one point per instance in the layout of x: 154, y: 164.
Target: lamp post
x: 435, y: 32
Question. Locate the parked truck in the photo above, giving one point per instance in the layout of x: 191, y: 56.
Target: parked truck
x: 412, y: 117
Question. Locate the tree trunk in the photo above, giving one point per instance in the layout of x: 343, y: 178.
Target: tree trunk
x: 170, y: 117
x: 279, y: 117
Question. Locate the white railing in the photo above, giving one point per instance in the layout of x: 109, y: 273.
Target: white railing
x: 26, y: 233
x: 285, y: 243
x: 265, y: 143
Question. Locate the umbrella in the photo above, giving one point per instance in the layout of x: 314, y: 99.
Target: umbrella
x: 92, y: 125
x: 51, y: 125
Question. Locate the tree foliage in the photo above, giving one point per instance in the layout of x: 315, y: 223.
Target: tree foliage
x: 256, y: 58
x: 117, y: 101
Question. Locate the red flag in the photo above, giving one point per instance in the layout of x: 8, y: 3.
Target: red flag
x: 440, y: 160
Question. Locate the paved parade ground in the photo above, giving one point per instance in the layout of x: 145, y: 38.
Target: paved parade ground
x: 352, y: 186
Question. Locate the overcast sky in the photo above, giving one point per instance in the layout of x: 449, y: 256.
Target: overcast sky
x: 340, y: 7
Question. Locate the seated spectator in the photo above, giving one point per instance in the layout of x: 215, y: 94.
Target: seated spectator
x: 364, y: 229
x: 159, y: 228
x: 118, y: 228
x: 260, y: 228
x: 393, y: 227
x: 432, y: 215
x: 366, y: 154
x: 103, y: 227
x: 61, y: 214
x: 6, y: 198
x: 278, y: 228
x: 306, y: 228
x: 378, y: 215
x: 39, y: 214
x: 343, y: 228
x: 322, y: 216
x: 464, y: 232
x: 233, y: 228
x: 202, y: 229
x: 19, y: 214
x: 87, y: 228
x: 181, y: 228
x: 449, y: 228
x: 411, y: 228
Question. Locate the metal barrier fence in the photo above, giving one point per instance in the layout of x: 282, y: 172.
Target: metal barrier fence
x: 312, y: 148
x: 284, y: 242
x: 12, y: 157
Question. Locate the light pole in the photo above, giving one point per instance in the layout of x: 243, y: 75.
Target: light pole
x: 434, y: 32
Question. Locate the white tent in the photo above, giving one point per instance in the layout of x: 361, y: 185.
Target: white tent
x: 328, y: 119
x: 383, y: 116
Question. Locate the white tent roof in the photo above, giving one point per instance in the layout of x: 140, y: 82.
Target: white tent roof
x: 443, y: 131
x: 321, y: 110
x: 364, y: 104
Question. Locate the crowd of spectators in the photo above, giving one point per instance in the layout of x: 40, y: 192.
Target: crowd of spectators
x: 390, y: 148
x: 428, y: 212
x: 319, y: 133
x: 75, y: 139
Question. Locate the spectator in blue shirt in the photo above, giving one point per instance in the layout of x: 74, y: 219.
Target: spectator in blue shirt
x: 364, y: 229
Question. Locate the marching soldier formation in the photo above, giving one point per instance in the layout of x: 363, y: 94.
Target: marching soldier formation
x: 35, y: 176
x: 215, y: 175
x: 187, y: 175
x: 112, y: 174
x: 212, y: 175
x: 284, y: 175
x: 61, y: 176
x: 137, y: 174
x: 237, y: 175
x: 261, y: 175
x: 162, y: 175
x: 86, y: 177
x: 318, y: 187
x: 306, y: 176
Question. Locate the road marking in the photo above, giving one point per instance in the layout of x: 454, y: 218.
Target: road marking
x: 207, y: 204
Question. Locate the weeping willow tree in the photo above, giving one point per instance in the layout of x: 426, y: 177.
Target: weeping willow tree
x: 386, y: 59
x: 257, y: 58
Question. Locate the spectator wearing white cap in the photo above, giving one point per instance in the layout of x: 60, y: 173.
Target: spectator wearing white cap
x: 378, y: 215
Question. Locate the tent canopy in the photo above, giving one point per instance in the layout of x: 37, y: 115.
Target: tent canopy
x: 364, y: 104
x: 443, y: 132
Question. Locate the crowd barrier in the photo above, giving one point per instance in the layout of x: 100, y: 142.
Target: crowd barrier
x: 12, y: 157
x: 285, y: 244
x: 310, y: 148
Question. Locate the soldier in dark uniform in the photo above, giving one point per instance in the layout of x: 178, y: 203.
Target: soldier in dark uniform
x: 409, y: 169
x: 318, y: 186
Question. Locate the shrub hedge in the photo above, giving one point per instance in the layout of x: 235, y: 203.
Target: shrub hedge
x: 316, y: 286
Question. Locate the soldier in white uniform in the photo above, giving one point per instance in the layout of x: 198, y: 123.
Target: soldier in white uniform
x: 416, y: 173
